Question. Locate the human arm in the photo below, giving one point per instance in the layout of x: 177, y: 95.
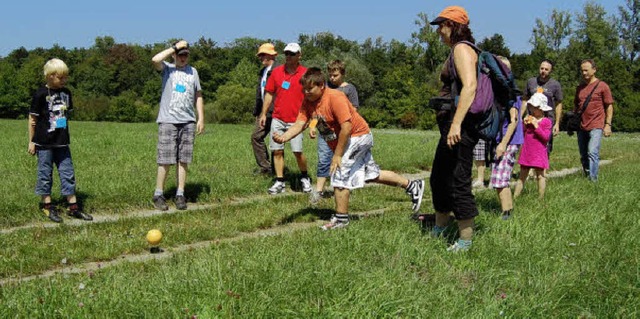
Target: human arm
x: 166, y: 53
x: 465, y: 60
x: 200, y: 110
x: 608, y: 119
x: 292, y: 132
x: 268, y: 98
x: 32, y: 130
x: 513, y: 123
x: 343, y: 138
x: 556, y: 127
x: 542, y: 129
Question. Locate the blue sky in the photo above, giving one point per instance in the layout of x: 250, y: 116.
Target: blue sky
x: 77, y: 23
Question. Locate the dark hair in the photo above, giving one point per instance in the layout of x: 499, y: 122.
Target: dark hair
x: 590, y: 61
x: 548, y: 61
x: 459, y: 32
x: 336, y: 65
x: 312, y: 76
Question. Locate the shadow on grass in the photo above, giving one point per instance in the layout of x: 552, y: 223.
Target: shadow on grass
x: 192, y: 191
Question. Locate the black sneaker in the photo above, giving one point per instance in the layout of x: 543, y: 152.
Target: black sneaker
x: 76, y: 212
x: 160, y: 203
x: 181, y: 202
x: 415, y: 191
x: 50, y: 211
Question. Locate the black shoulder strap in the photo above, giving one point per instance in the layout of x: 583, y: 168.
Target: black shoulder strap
x: 588, y: 99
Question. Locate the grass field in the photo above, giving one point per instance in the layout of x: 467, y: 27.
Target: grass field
x: 573, y: 255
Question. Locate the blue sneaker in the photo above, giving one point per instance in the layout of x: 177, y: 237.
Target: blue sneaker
x: 460, y: 246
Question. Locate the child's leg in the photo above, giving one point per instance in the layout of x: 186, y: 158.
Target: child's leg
x: 45, y: 174
x: 324, y: 163
x: 506, y: 200
x: 182, y: 177
x: 524, y: 173
x: 342, y: 200
x: 62, y: 158
x: 542, y: 182
x: 161, y: 177
x: 465, y: 227
x: 392, y: 179
x: 302, y: 161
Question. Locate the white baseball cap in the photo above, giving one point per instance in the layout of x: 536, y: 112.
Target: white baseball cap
x: 539, y: 100
x: 292, y: 47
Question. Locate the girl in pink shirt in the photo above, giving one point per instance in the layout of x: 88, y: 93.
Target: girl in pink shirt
x: 537, y: 131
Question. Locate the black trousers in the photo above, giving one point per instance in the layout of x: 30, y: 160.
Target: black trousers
x: 451, y: 172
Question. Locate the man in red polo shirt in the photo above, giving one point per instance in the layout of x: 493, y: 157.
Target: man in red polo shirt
x: 284, y: 86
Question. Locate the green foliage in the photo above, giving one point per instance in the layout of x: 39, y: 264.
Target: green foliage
x: 395, y: 79
x: 234, y: 104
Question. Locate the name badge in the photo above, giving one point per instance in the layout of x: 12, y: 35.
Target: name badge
x: 181, y: 88
x: 264, y: 83
x: 61, y: 123
x: 285, y: 85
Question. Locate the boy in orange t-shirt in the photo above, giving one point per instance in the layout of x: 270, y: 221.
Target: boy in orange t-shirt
x: 348, y: 135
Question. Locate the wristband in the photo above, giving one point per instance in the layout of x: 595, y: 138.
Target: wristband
x: 607, y: 124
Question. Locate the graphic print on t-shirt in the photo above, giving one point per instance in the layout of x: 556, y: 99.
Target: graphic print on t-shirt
x: 325, y: 132
x: 58, y: 104
x: 182, y: 93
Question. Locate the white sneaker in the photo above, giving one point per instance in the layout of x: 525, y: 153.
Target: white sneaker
x: 334, y: 223
x: 306, y: 184
x: 277, y: 188
x: 315, y: 197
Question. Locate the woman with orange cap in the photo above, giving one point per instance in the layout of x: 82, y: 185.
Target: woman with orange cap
x: 452, y: 166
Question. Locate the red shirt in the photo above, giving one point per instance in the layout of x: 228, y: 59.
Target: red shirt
x: 595, y: 113
x: 287, y: 101
x: 334, y: 107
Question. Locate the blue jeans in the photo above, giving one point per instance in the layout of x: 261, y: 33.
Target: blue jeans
x: 61, y: 157
x: 325, y: 155
x: 589, y: 146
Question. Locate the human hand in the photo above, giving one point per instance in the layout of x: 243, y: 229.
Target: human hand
x: 556, y: 129
x: 335, y: 163
x: 607, y: 130
x: 454, y: 135
x: 263, y: 120
x: 313, y: 132
x: 278, y: 138
x: 181, y: 44
x: 200, y: 127
x: 32, y: 148
x: 500, y: 149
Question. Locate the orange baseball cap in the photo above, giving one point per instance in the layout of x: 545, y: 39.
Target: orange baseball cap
x: 454, y: 13
x: 267, y: 48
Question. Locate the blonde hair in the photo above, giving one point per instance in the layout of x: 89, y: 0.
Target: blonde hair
x: 55, y: 66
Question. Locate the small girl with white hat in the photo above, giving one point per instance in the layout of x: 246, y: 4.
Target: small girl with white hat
x: 537, y: 132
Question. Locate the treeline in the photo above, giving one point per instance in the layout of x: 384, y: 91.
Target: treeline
x: 116, y: 82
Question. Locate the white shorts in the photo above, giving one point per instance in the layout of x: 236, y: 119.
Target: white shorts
x: 281, y: 127
x: 357, y: 165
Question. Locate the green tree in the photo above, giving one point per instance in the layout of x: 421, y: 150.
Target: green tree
x: 495, y: 44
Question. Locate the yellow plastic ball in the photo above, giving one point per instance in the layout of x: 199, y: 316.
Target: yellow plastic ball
x: 154, y: 237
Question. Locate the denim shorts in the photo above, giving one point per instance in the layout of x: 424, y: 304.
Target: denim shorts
x: 61, y: 157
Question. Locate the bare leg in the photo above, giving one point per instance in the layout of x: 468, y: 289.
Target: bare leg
x: 524, y: 173
x: 320, y: 184
x: 480, y: 168
x: 506, y: 201
x: 542, y: 182
x: 465, y: 227
x: 278, y: 162
x: 162, y: 176
x: 442, y: 219
x: 392, y: 179
x: 302, y: 161
x: 342, y: 200
x: 46, y: 199
x: 182, y: 175
x: 70, y: 199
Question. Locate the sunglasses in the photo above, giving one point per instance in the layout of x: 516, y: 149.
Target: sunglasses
x: 287, y: 53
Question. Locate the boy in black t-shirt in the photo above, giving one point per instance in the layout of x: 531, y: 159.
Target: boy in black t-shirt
x: 49, y: 139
